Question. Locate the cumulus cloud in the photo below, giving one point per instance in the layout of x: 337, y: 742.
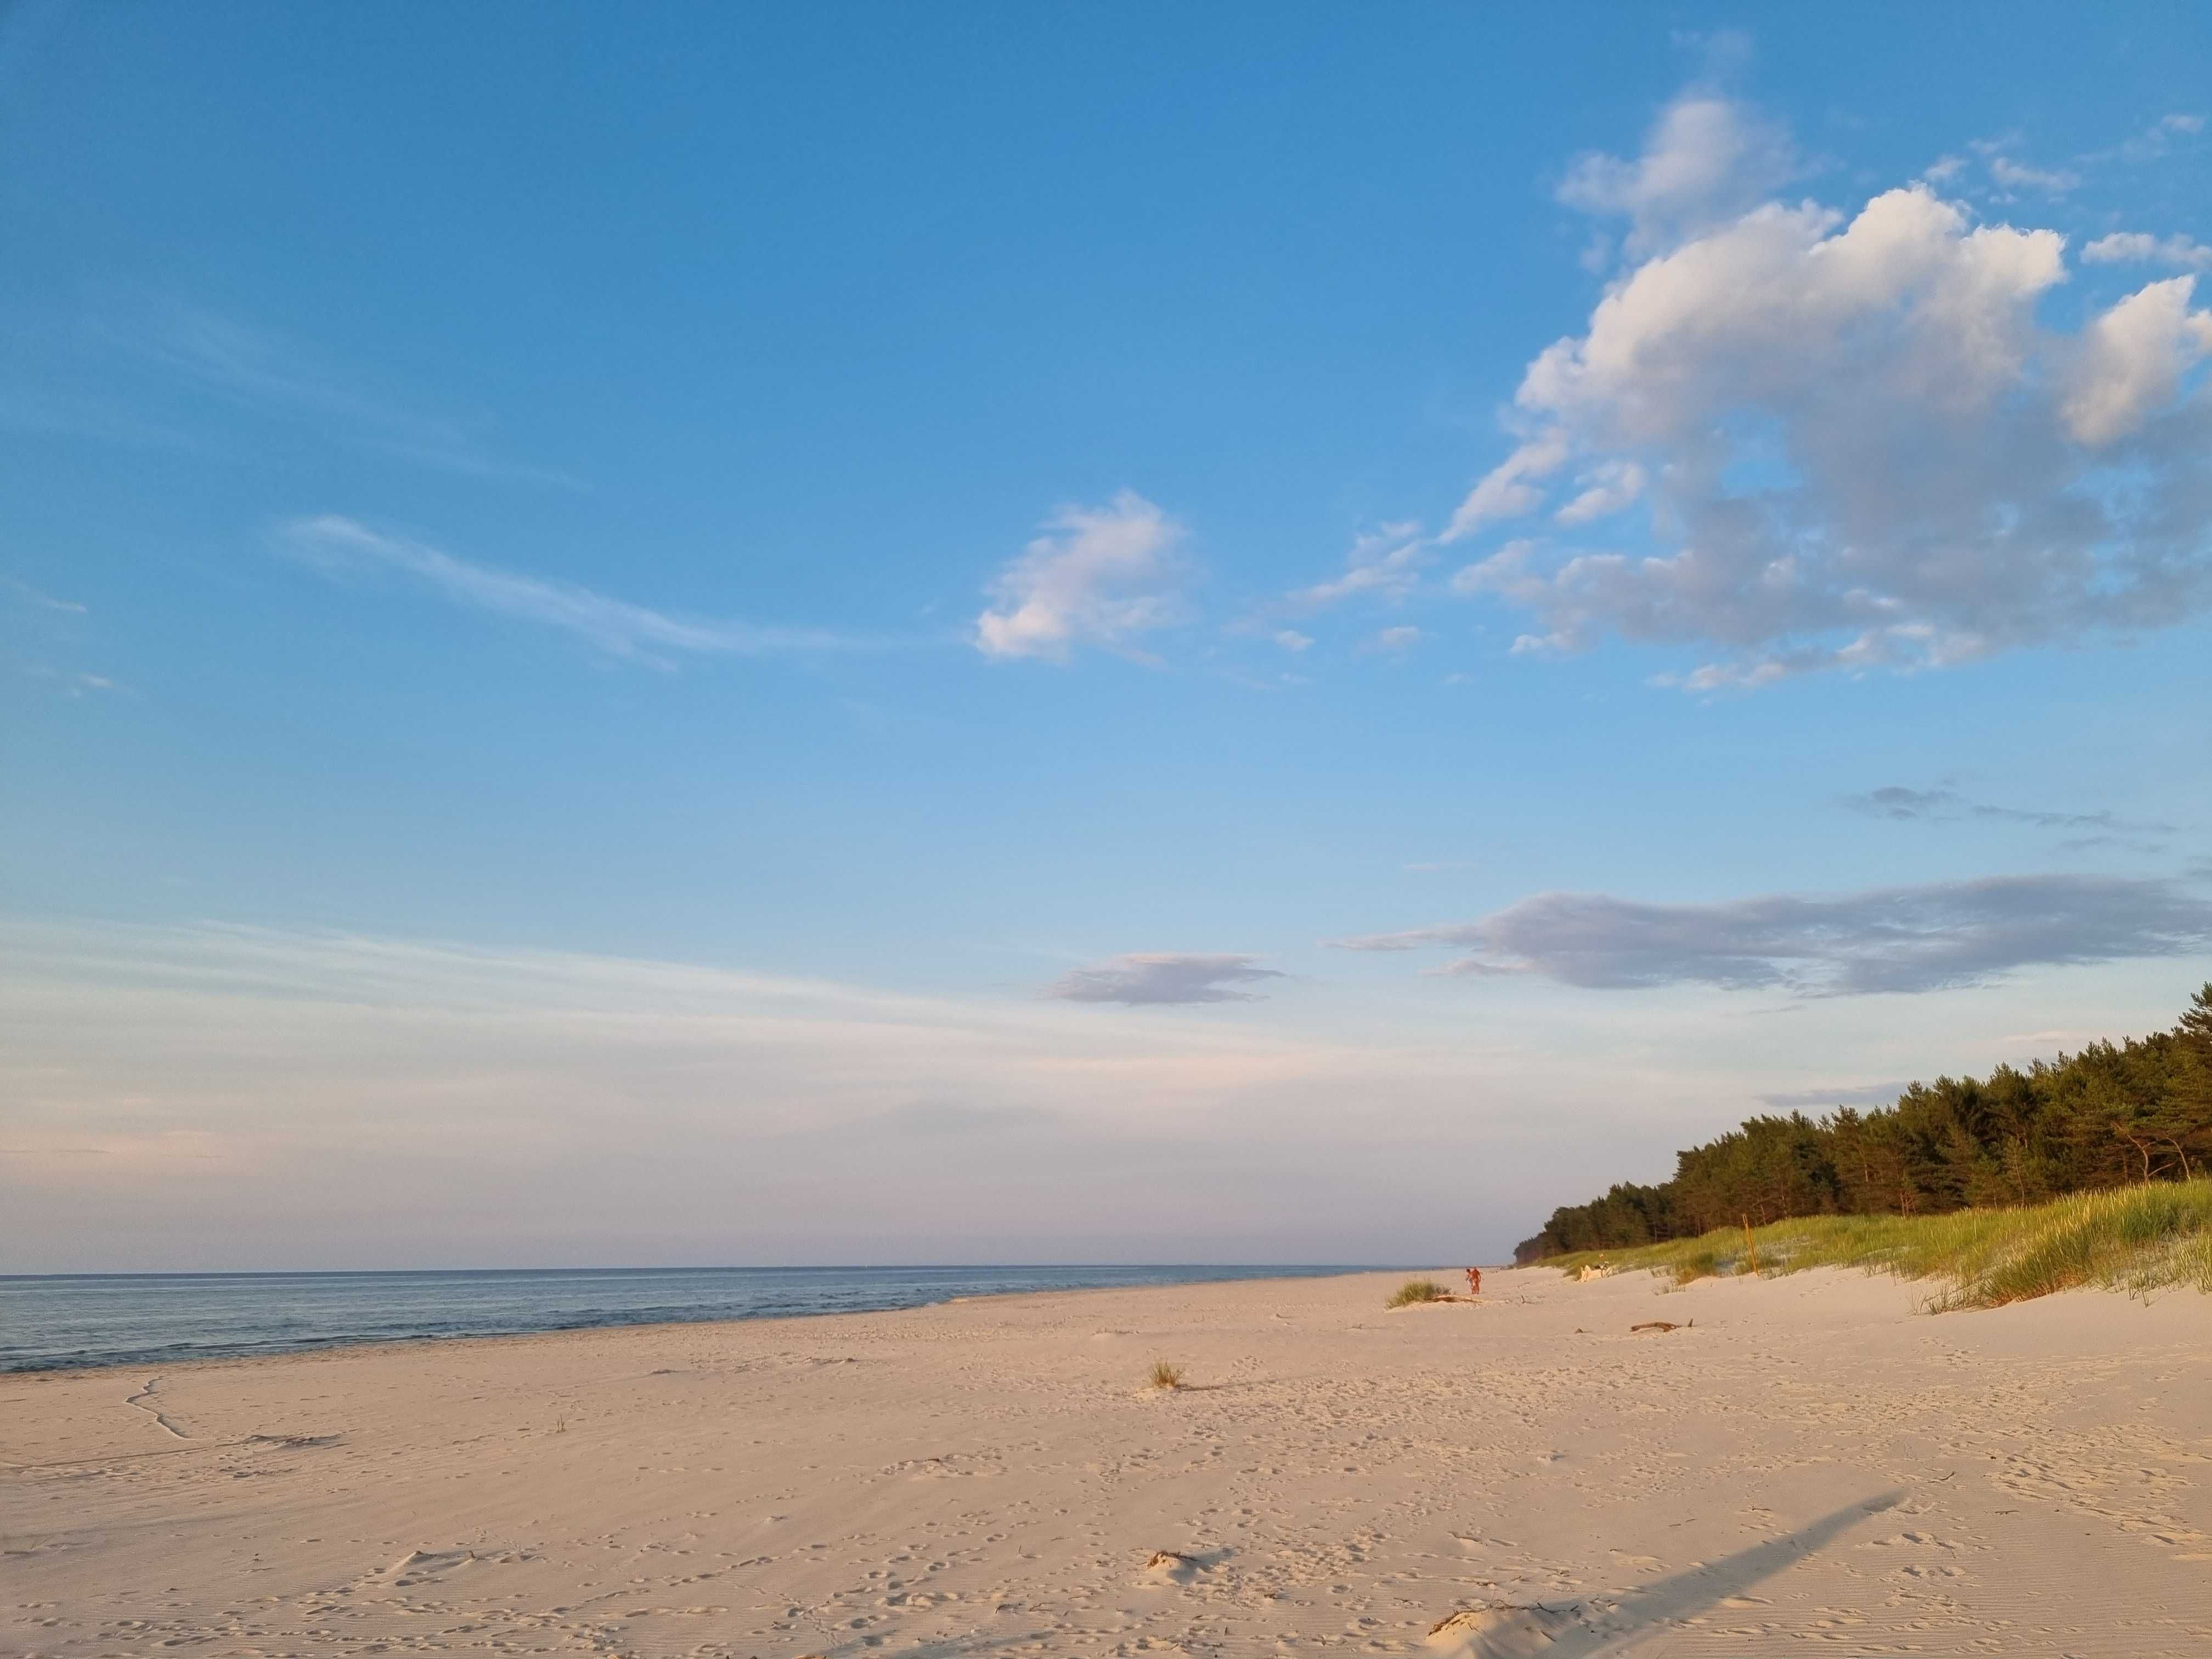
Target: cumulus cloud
x: 1931, y: 938
x: 1607, y: 488
x: 2131, y: 362
x: 339, y: 546
x: 1386, y: 562
x: 1396, y: 639
x: 1098, y: 575
x: 1861, y: 446
x: 1705, y: 161
x: 1291, y: 640
x: 1509, y: 489
x: 2137, y: 247
x: 1167, y: 976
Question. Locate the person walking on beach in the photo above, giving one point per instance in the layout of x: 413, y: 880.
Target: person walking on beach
x: 1474, y: 1281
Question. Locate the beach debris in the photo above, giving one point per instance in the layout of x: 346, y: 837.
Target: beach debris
x: 1183, y: 1565
x: 424, y: 1566
x: 1588, y: 1271
x: 1503, y: 1630
x: 1178, y: 1567
x: 1659, y: 1324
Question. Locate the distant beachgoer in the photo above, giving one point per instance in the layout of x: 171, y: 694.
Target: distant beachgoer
x: 1474, y: 1281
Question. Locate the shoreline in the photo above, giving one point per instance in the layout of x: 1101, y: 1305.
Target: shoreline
x: 354, y: 1345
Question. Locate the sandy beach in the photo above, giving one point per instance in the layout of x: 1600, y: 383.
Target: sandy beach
x: 1809, y: 1466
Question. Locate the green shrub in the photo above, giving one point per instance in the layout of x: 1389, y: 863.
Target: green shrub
x: 2136, y: 1239
x: 1417, y: 1290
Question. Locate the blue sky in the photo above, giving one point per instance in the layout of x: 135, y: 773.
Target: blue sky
x: 1118, y: 561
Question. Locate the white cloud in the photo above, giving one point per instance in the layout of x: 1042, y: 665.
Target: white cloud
x: 1936, y: 937
x: 1099, y: 576
x: 338, y: 546
x: 2131, y: 362
x: 1705, y: 161
x: 1162, y: 977
x: 1494, y: 573
x: 1506, y: 491
x: 2136, y: 248
x: 1862, y: 448
x: 544, y: 1108
x: 1386, y: 562
x: 2018, y: 176
x: 1291, y: 640
x: 2157, y: 140
x: 1607, y: 488
x: 1396, y: 639
x: 31, y: 596
x: 504, y: 1107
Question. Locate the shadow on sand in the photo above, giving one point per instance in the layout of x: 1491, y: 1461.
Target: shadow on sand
x: 1569, y: 1630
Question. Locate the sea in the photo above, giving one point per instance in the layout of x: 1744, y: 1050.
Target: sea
x: 62, y: 1320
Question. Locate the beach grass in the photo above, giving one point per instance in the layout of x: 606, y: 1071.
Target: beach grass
x: 1165, y: 1375
x: 2136, y: 1239
x: 1417, y: 1289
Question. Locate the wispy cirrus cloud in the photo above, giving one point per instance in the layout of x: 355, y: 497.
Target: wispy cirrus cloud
x: 1098, y: 576
x: 36, y: 627
x: 1945, y: 805
x: 26, y: 594
x: 338, y: 546
x: 263, y: 370
x: 1167, y: 976
x: 1930, y: 938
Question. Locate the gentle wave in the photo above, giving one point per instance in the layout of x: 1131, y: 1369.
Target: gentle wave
x: 62, y: 1322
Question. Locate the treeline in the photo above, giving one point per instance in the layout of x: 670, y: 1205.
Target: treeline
x: 2111, y: 1115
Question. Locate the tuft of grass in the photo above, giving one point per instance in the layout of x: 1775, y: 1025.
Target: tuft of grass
x: 1166, y: 1376
x: 1417, y: 1289
x: 2136, y: 1239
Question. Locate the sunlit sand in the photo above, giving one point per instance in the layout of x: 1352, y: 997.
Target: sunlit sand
x: 1801, y: 1465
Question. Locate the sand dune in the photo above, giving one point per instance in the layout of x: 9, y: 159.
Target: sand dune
x: 1809, y: 1467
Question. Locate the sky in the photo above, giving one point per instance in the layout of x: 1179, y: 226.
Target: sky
x: 872, y: 634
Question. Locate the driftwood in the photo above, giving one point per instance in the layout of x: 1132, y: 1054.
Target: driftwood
x: 1658, y: 1325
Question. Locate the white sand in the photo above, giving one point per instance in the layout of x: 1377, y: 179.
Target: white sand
x: 1812, y: 1468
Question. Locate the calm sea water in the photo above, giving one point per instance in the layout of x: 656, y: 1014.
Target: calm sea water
x: 107, y: 1319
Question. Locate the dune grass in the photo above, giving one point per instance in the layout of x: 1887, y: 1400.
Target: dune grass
x: 1165, y: 1375
x: 2136, y: 1239
x: 1417, y: 1289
